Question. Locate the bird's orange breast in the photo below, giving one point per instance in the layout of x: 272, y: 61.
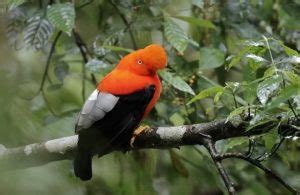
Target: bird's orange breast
x: 120, y: 82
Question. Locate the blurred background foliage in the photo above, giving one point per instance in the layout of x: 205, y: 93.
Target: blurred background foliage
x: 226, y: 59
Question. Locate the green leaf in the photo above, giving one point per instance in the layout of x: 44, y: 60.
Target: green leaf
x: 14, y: 3
x: 270, y: 139
x: 235, y: 142
x: 260, y: 120
x: 250, y: 87
x: 292, y: 77
x: 178, y: 164
x: 176, y: 119
x: 15, y: 23
x: 267, y: 88
x: 176, y: 82
x: 210, y: 58
x: 206, y: 93
x: 233, y: 86
x: 37, y: 32
x: 117, y: 49
x: 296, y: 100
x: 289, y: 51
x: 175, y: 35
x: 250, y: 48
x: 285, y: 94
x: 218, y: 95
x: 62, y: 16
x: 256, y: 58
x: 236, y: 112
x: 61, y: 70
x: 198, y: 3
x: 96, y: 65
x: 161, y: 109
x: 197, y: 21
x: 55, y: 87
x: 270, y: 72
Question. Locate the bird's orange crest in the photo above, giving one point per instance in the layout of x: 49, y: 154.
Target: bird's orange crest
x: 145, y: 61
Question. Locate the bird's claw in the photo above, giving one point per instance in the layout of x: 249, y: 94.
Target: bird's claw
x: 137, y: 132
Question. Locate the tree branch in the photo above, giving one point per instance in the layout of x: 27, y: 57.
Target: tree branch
x: 159, y: 138
x: 210, y: 146
x: 260, y: 166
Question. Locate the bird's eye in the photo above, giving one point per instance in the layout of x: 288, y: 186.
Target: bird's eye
x: 140, y: 62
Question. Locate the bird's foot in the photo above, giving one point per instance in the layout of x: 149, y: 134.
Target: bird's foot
x: 137, y: 132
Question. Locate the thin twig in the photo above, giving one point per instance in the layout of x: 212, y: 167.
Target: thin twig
x: 210, y: 146
x: 234, y: 98
x: 48, y: 104
x: 84, y: 4
x: 83, y: 50
x: 289, y: 102
x: 276, y: 147
x: 94, y: 80
x: 81, y: 45
x: 270, y: 53
x: 84, y: 53
x: 52, y: 49
x: 127, y: 24
x: 262, y: 167
x: 45, y: 74
x: 250, y: 148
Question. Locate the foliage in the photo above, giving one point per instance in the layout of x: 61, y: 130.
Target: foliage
x: 227, y: 59
x: 62, y: 16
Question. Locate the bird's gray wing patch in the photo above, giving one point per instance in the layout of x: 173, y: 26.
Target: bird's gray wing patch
x: 94, y: 109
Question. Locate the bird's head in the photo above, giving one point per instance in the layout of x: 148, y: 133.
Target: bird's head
x: 145, y: 61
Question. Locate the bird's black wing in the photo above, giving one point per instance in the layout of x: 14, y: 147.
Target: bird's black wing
x: 108, y: 128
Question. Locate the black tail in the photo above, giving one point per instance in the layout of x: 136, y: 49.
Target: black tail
x: 83, y: 164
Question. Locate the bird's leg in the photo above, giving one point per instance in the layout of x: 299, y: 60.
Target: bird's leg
x: 137, y: 132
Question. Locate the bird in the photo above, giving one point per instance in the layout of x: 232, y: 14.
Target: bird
x: 111, y: 116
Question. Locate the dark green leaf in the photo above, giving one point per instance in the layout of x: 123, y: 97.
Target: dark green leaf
x: 96, y: 65
x: 178, y: 164
x: 176, y: 82
x: 236, y: 112
x: 198, y: 3
x: 250, y: 87
x: 206, y: 93
x: 250, y: 48
x: 289, y: 51
x: 62, y: 16
x: 54, y: 87
x: 197, y: 21
x: 285, y: 94
x: 38, y: 32
x: 270, y: 139
x: 175, y: 35
x: 235, y: 142
x: 177, y: 119
x: 14, y: 3
x: 61, y: 70
x: 117, y: 49
x: 267, y: 88
x: 292, y: 77
x: 210, y: 58
x: 15, y: 23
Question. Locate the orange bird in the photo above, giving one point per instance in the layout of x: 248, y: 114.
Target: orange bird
x: 115, y: 109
